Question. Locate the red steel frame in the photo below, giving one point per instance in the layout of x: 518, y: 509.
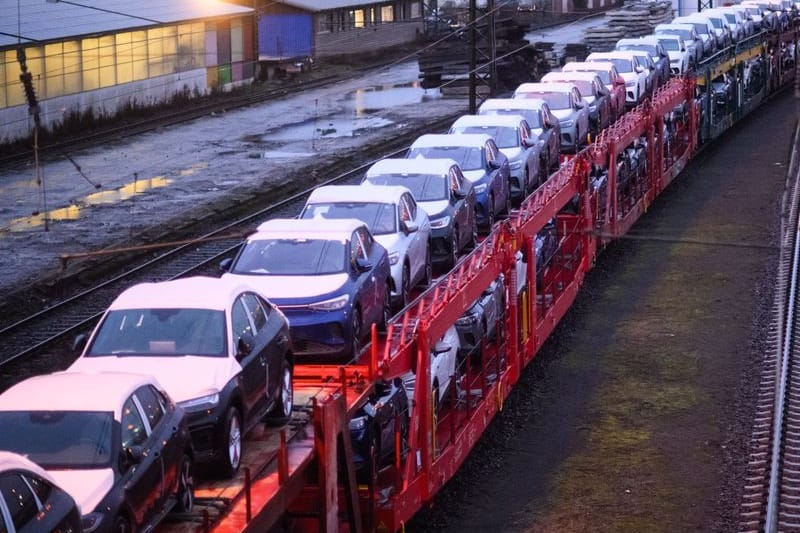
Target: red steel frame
x: 304, y: 481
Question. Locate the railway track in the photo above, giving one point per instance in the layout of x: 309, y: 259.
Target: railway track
x: 771, y: 498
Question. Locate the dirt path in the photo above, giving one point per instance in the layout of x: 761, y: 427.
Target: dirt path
x: 635, y: 416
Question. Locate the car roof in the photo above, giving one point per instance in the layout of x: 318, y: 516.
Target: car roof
x: 513, y: 103
x: 693, y: 17
x: 633, y: 40
x: 573, y: 75
x: 382, y: 194
x: 510, y: 121
x: 472, y: 140
x: 578, y: 66
x: 675, y: 26
x: 616, y: 54
x: 74, y: 391
x: 436, y: 167
x: 550, y: 86
x: 333, y: 229
x: 647, y: 39
x: 196, y: 292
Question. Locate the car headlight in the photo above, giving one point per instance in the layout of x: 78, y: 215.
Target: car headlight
x: 515, y: 164
x: 331, y: 305
x: 201, y: 403
x: 394, y: 257
x: 90, y: 522
x: 442, y: 222
x: 480, y: 188
x: 567, y: 123
x: 358, y: 423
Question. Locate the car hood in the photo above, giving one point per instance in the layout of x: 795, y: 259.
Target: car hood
x: 87, y: 487
x: 512, y: 153
x: 629, y: 76
x: 278, y: 288
x: 474, y: 175
x: 390, y: 241
x: 675, y: 55
x: 562, y: 114
x: 434, y: 208
x: 208, y: 374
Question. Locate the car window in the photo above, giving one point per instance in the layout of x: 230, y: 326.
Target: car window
x: 491, y: 151
x: 240, y: 322
x: 366, y: 241
x: 411, y: 204
x: 151, y: 404
x: 134, y: 432
x: 19, y: 499
x: 256, y: 310
x: 356, y: 248
x: 405, y: 210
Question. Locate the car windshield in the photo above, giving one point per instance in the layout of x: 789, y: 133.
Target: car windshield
x: 161, y: 333
x: 670, y: 45
x: 60, y: 440
x: 424, y: 187
x: 467, y: 157
x: 555, y: 100
x: 504, y: 137
x: 530, y: 115
x: 642, y: 47
x: 730, y: 17
x: 623, y: 65
x: 717, y: 23
x: 291, y: 257
x: 379, y: 217
x: 686, y: 35
x: 700, y: 27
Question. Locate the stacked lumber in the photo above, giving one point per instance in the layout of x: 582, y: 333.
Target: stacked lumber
x: 636, y: 18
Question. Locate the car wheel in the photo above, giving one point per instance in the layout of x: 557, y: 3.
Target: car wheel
x: 356, y: 332
x: 185, y: 495
x: 507, y: 208
x: 473, y: 237
x: 405, y: 286
x: 282, y: 411
x: 454, y: 240
x: 122, y: 525
x: 490, y: 214
x: 386, y: 313
x: 231, y: 449
x: 427, y: 277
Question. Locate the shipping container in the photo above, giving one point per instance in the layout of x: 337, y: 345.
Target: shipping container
x: 285, y: 37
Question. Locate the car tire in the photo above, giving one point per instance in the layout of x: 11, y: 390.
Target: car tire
x: 508, y: 207
x: 386, y: 312
x: 281, y: 413
x: 473, y: 235
x: 122, y: 525
x: 405, y: 286
x: 427, y: 276
x: 231, y: 446
x: 356, y: 333
x: 184, y: 497
x: 452, y: 258
x: 490, y: 214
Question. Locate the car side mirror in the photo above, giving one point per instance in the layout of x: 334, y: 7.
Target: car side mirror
x: 244, y: 345
x: 225, y: 264
x: 362, y: 265
x: 79, y: 343
x: 457, y: 194
x: 494, y: 165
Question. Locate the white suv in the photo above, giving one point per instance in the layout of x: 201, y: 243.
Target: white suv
x: 631, y: 70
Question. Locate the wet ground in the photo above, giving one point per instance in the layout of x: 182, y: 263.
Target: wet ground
x: 123, y: 188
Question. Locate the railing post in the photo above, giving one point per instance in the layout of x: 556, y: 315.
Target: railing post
x: 247, y: 496
x: 283, y: 460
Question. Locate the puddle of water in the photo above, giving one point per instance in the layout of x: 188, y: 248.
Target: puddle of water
x: 378, y: 97
x: 275, y: 154
x: 326, y: 128
x: 73, y: 211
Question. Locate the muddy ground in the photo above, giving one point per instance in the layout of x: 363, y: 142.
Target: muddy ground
x: 636, y: 414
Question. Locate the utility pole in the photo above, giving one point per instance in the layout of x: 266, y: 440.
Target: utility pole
x: 473, y: 57
x: 703, y: 4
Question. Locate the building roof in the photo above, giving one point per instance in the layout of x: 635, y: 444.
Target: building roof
x: 49, y: 20
x: 324, y: 5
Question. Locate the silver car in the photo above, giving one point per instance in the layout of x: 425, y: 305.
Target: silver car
x: 594, y: 93
x: 694, y: 45
x: 396, y: 222
x: 514, y: 138
x: 567, y: 104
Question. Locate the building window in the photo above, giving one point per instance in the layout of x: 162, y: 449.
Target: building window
x: 124, y: 57
x: 415, y: 10
x: 387, y: 14
x: 13, y: 87
x: 237, y: 41
x: 139, y: 54
x: 90, y: 60
x: 54, y: 62
x: 357, y: 16
x: 155, y: 52
x: 169, y: 49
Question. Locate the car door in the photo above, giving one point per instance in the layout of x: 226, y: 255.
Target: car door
x: 582, y: 111
x: 418, y: 245
x: 463, y: 210
x: 142, y: 470
x: 253, y: 378
x: 552, y: 124
x: 499, y: 182
x: 166, y: 439
x: 534, y: 154
x: 273, y: 336
x: 367, y: 286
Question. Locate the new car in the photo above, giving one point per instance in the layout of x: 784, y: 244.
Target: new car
x: 445, y: 370
x: 679, y: 57
x: 376, y: 424
x: 31, y: 500
x: 694, y: 45
x: 396, y: 222
x: 482, y: 163
x: 442, y: 191
x: 610, y: 77
x: 482, y: 321
x: 114, y: 441
x: 567, y: 104
x: 631, y: 70
x: 722, y: 29
x: 541, y: 120
x: 594, y: 94
x: 219, y: 348
x: 518, y: 143
x: 658, y: 55
x: 331, y: 280
x: 738, y: 18
x: 705, y: 30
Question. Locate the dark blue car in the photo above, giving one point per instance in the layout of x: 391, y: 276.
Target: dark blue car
x: 481, y: 162
x: 329, y: 277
